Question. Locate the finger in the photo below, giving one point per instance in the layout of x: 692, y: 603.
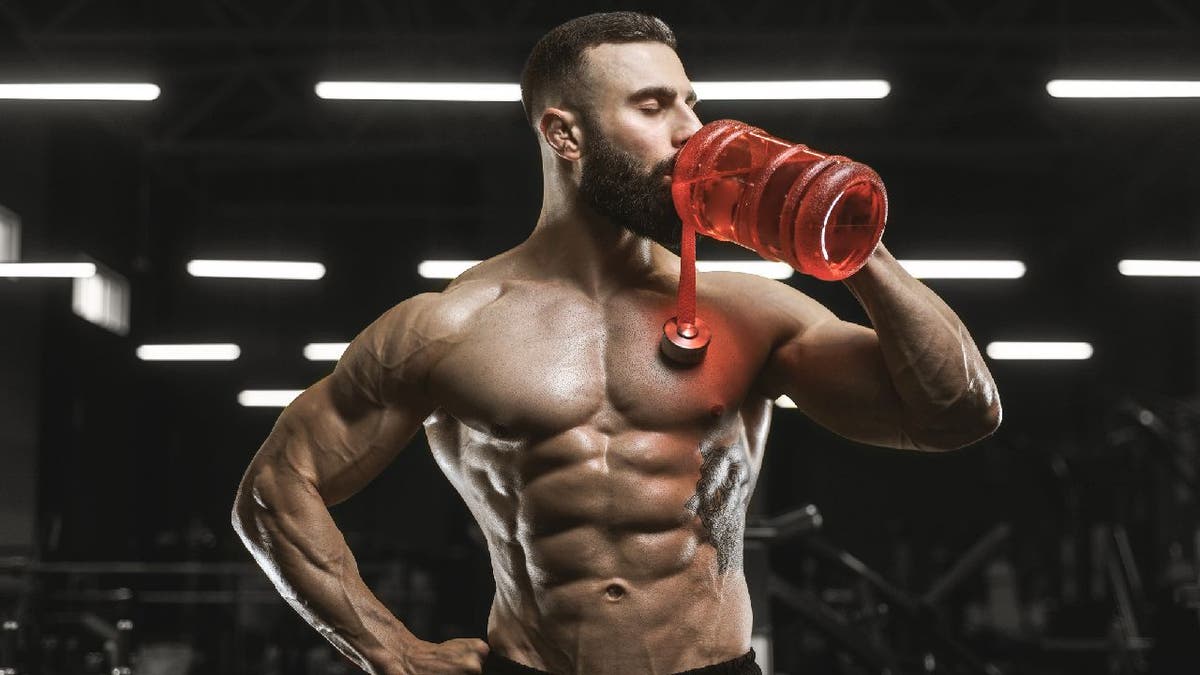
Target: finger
x: 472, y: 662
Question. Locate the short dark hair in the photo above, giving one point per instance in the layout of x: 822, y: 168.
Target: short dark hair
x: 557, y: 59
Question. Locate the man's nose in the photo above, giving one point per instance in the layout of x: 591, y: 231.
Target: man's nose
x: 688, y: 126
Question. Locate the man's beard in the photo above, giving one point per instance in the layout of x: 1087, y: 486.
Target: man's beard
x: 614, y: 186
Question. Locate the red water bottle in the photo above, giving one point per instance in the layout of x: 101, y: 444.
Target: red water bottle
x: 821, y: 214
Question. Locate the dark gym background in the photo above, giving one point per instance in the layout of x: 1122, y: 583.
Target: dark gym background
x: 117, y: 475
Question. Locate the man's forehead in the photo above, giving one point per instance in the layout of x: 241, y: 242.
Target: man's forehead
x: 624, y: 68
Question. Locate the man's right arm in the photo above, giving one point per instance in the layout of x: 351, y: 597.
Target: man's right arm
x: 328, y: 444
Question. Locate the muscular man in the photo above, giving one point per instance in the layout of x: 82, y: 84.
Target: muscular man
x: 611, y: 485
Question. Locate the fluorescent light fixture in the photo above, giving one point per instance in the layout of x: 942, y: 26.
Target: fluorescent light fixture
x: 444, y: 269
x: 1061, y: 351
x: 791, y: 90
x: 1123, y: 88
x: 256, y: 269
x: 420, y: 91
x: 80, y: 92
x: 102, y: 299
x: 784, y: 402
x: 268, y: 398
x: 449, y: 269
x: 508, y: 91
x: 78, y: 270
x: 763, y: 268
x: 325, y: 351
x: 10, y: 236
x: 189, y: 352
x: 1159, y: 268
x: 964, y: 269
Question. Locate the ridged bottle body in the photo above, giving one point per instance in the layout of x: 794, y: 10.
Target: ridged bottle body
x: 821, y: 214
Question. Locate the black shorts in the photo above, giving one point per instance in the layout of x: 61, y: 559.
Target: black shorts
x: 742, y: 665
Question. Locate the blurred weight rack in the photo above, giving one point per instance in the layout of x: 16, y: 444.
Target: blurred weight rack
x: 117, y: 618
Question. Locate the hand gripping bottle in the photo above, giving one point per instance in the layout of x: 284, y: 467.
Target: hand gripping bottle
x: 821, y: 214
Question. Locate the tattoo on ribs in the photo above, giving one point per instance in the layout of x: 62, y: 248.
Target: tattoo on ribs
x: 720, y: 502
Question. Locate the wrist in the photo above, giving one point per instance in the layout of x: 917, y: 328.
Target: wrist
x: 879, y: 260
x: 391, y: 656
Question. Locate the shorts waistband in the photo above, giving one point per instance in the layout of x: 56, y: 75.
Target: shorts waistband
x: 495, y: 664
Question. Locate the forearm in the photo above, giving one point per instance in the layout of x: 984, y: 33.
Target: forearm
x: 286, y: 526
x: 947, y: 393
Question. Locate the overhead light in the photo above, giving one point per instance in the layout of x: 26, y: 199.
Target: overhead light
x: 103, y: 299
x: 507, y: 91
x: 256, y: 269
x: 189, y: 352
x: 449, y: 269
x: 420, y: 91
x: 1159, y: 268
x: 1035, y: 351
x: 1123, y: 88
x: 268, y: 398
x: 444, y: 269
x: 791, y: 90
x: 964, y: 269
x: 10, y: 236
x: 763, y: 268
x: 325, y: 351
x: 784, y: 402
x: 76, y: 270
x: 80, y: 91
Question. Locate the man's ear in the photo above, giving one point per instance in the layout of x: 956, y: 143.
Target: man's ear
x: 562, y: 133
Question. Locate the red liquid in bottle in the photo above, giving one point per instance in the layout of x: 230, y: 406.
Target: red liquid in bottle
x: 822, y: 214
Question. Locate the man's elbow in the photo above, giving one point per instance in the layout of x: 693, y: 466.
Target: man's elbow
x: 963, y: 427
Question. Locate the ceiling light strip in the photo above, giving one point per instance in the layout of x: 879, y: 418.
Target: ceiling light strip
x: 325, y: 351
x: 256, y: 269
x: 922, y: 269
x: 449, y: 269
x: 1159, y: 268
x: 764, y: 90
x: 1123, y: 88
x: 44, y: 270
x: 268, y: 398
x: 98, y: 91
x: 793, y: 90
x: 419, y: 91
x: 189, y: 352
x: 964, y: 269
x: 1039, y: 351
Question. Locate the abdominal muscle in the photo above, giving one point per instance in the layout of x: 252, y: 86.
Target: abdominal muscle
x: 604, y: 549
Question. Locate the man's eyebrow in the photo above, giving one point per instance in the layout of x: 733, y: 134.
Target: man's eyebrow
x: 660, y: 91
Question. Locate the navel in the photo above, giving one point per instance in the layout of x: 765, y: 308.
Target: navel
x: 614, y: 592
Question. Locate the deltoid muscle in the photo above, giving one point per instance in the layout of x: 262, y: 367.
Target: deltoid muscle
x: 720, y: 502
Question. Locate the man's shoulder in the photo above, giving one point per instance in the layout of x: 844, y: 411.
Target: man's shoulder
x: 433, y: 317
x: 503, y: 268
x: 767, y: 304
x: 429, y: 322
x: 745, y: 289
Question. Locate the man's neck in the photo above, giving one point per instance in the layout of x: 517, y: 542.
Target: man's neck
x: 574, y: 242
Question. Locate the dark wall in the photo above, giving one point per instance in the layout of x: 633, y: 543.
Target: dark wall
x: 23, y: 188
x: 239, y: 159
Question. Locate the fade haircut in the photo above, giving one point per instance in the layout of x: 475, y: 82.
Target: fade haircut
x: 556, y: 63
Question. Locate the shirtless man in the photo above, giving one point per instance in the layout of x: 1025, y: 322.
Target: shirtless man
x: 611, y: 485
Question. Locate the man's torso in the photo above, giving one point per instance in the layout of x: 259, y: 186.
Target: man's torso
x: 611, y: 486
